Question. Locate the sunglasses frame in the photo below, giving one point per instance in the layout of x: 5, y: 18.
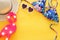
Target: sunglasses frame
x: 29, y: 8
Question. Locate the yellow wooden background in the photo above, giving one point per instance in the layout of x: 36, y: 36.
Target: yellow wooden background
x: 33, y: 25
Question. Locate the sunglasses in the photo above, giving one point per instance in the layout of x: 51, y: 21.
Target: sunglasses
x: 25, y: 6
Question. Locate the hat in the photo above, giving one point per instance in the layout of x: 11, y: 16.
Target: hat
x: 7, y: 6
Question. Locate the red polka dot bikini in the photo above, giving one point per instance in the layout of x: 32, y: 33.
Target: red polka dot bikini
x: 10, y: 28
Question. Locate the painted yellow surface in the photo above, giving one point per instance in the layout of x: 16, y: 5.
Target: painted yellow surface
x: 33, y: 25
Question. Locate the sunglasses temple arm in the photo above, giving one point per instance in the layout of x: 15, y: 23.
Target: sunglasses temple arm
x: 26, y: 1
x: 54, y: 31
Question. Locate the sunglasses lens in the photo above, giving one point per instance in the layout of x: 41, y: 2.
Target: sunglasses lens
x: 24, y: 6
x: 30, y: 9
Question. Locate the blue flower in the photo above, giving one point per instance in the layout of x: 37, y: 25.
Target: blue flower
x: 51, y: 15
